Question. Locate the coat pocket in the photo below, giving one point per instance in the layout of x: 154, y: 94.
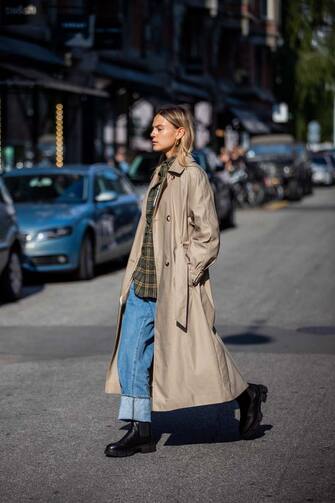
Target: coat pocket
x: 181, y: 279
x: 207, y: 301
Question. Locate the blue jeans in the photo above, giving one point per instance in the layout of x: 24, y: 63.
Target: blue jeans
x: 135, y: 356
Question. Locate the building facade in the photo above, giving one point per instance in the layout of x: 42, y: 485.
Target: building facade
x: 79, y: 77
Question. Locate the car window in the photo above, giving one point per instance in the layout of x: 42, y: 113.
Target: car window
x: 300, y: 151
x: 110, y: 182
x: 269, y: 149
x: 321, y: 161
x: 4, y: 194
x: 48, y: 188
x: 141, y: 169
x: 331, y: 159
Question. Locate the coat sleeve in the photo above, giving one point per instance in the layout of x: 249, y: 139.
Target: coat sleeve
x: 204, y: 242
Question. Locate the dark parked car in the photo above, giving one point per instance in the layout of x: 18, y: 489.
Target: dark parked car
x: 247, y: 182
x: 223, y: 194
x: 285, y: 163
x: 73, y: 217
x: 10, y: 248
x: 141, y: 170
x: 144, y: 164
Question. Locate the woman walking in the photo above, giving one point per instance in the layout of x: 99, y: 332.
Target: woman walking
x: 167, y: 353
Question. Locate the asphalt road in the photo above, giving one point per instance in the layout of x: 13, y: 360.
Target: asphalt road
x: 274, y: 288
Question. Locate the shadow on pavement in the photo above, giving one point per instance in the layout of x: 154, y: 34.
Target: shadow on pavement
x: 247, y: 338
x: 110, y: 267
x: 200, y: 425
x: 320, y: 207
x: 317, y: 330
x: 246, y: 335
x: 27, y: 291
x: 269, y: 338
x: 38, y: 278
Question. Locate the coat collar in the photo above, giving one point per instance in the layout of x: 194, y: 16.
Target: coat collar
x: 176, y: 167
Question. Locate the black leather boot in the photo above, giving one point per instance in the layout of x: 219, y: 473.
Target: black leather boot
x: 137, y: 439
x: 250, y: 408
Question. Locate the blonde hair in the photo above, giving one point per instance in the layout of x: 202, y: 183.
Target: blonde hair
x: 179, y: 116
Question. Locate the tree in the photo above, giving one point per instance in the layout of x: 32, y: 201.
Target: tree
x: 306, y: 63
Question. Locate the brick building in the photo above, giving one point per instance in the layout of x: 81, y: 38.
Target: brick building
x: 106, y: 65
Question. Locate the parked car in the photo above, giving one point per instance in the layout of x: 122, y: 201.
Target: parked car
x: 329, y: 152
x: 223, y: 193
x: 144, y: 164
x: 141, y: 170
x: 285, y: 162
x: 10, y: 248
x: 323, y: 168
x: 248, y: 183
x: 73, y: 217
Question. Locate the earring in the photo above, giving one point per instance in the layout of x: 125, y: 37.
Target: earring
x: 177, y: 143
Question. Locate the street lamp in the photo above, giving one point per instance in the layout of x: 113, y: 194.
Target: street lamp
x: 59, y: 136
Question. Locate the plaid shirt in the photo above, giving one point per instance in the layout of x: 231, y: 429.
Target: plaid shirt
x: 144, y: 276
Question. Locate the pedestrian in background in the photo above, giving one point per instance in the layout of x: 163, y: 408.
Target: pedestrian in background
x: 167, y: 353
x: 226, y: 166
x: 120, y: 160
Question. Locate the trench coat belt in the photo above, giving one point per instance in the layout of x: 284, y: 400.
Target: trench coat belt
x: 181, y: 286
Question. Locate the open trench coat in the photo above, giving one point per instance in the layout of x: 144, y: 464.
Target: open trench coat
x: 191, y: 365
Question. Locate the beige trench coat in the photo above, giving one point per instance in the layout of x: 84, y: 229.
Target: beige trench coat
x: 191, y: 365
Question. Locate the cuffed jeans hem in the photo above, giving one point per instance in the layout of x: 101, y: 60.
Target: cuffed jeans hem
x: 135, y: 409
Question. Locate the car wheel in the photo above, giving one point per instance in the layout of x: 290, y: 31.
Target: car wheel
x: 280, y: 192
x: 294, y: 191
x: 228, y: 220
x: 256, y: 196
x: 85, y: 270
x: 12, y: 278
x: 309, y: 189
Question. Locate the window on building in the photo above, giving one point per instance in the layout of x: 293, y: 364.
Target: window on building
x: 258, y: 7
x: 193, y: 39
x: 263, y: 8
x: 71, y: 18
x: 108, y: 24
x: 70, y: 6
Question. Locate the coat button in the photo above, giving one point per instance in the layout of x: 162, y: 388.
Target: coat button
x: 168, y: 218
x: 167, y: 263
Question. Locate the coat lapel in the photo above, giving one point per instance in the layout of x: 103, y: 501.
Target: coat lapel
x: 176, y: 167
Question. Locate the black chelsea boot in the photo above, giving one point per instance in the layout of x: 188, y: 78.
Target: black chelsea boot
x: 250, y: 402
x: 137, y: 439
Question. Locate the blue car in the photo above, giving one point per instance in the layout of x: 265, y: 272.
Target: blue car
x: 73, y: 217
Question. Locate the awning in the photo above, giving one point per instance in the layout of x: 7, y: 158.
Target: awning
x: 250, y: 121
x: 147, y: 79
x: 28, y: 50
x: 40, y: 79
x: 189, y: 90
x: 127, y: 75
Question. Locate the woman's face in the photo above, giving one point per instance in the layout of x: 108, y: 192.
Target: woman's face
x: 164, y: 135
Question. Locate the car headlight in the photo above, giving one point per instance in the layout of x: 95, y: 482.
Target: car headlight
x: 57, y: 232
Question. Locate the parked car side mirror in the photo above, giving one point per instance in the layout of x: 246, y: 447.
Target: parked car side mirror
x: 107, y: 196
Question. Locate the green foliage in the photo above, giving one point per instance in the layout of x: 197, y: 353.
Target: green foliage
x: 306, y: 63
